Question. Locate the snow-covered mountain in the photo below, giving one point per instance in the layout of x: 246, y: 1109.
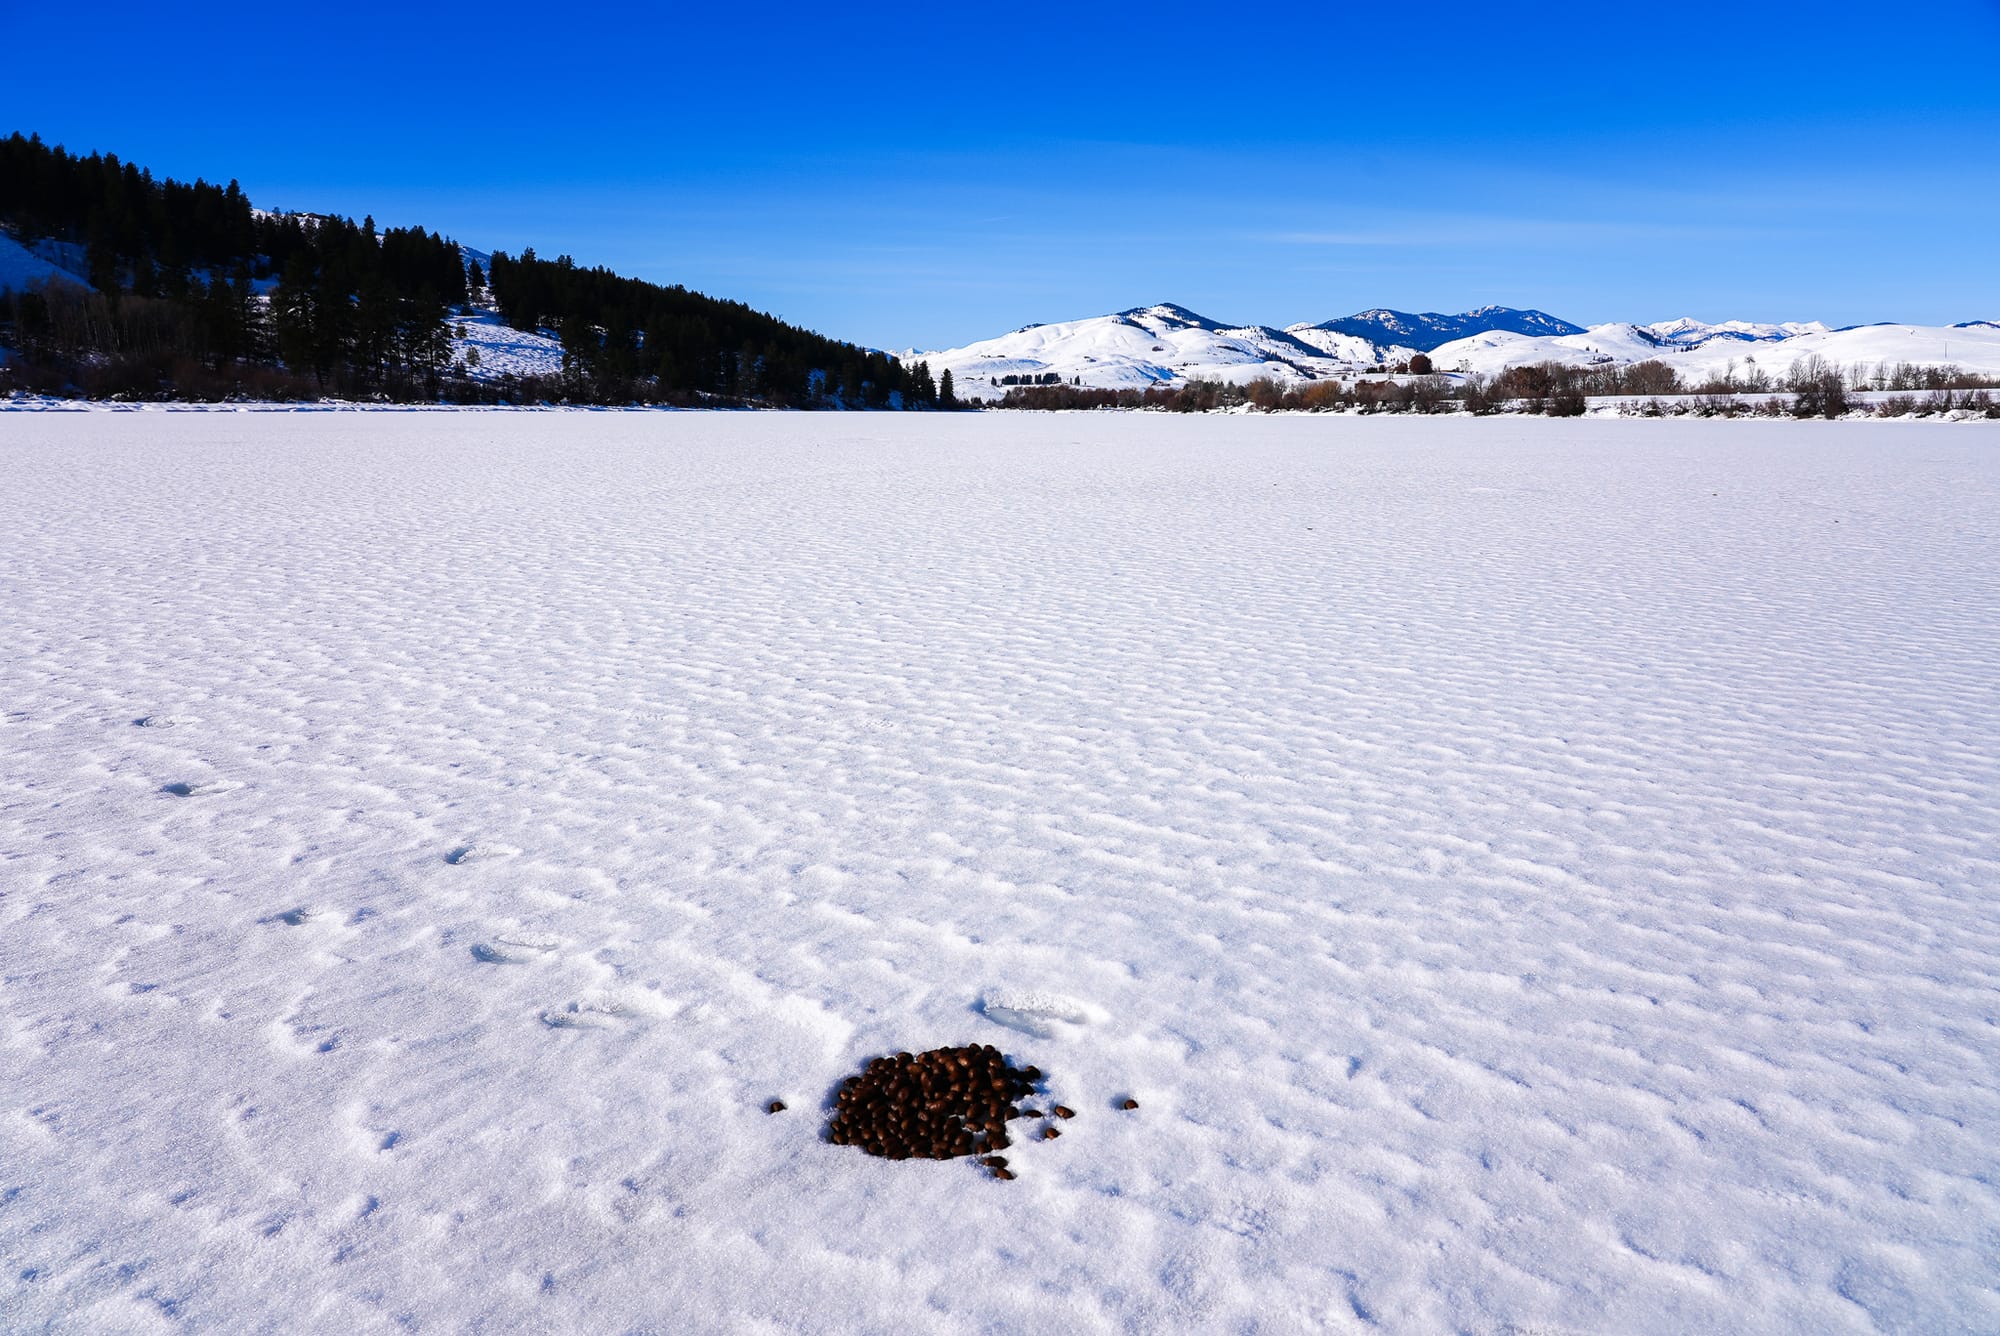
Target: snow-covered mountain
x: 1170, y: 345
x: 1426, y: 331
x: 1149, y: 345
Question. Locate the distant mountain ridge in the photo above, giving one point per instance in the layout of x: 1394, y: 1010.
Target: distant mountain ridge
x: 1169, y: 344
x: 1432, y: 329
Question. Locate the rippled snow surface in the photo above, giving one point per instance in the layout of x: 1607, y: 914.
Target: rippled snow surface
x: 1532, y: 876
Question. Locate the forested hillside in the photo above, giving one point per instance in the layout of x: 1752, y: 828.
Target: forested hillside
x: 633, y: 339
x: 189, y: 291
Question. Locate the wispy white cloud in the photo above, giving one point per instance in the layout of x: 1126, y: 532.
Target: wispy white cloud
x: 1487, y: 231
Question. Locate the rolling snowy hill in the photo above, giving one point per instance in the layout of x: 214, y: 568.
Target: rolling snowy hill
x: 1152, y: 345
x: 1698, y: 351
x: 1171, y: 345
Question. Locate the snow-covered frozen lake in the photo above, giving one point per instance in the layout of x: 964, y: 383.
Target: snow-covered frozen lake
x: 1533, y: 876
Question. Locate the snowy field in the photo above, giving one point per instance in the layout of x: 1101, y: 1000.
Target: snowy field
x: 1534, y: 876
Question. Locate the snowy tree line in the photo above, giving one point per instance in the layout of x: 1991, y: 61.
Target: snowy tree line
x: 1811, y: 388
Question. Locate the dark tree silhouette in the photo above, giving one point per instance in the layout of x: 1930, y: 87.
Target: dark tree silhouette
x: 195, y: 292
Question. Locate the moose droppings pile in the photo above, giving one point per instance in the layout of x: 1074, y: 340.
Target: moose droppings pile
x: 936, y: 1105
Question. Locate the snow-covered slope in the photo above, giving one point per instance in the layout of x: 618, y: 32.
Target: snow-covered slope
x: 1600, y: 345
x: 1712, y: 350
x: 1974, y: 347
x: 491, y: 348
x: 1349, y: 350
x: 1690, y: 333
x: 22, y: 267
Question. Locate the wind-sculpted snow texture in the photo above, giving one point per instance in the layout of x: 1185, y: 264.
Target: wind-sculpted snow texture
x: 1531, y: 876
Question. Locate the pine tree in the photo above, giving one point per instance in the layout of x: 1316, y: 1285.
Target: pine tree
x: 101, y: 260
x: 222, y: 322
x: 374, y: 330
x: 422, y: 339
x: 580, y: 347
x: 947, y: 397
x: 294, y: 309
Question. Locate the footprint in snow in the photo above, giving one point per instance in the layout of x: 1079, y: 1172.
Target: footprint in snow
x: 201, y: 789
x: 515, y: 948
x: 585, y: 1016
x: 476, y: 853
x: 164, y: 721
x: 1033, y: 1012
x: 606, y: 1011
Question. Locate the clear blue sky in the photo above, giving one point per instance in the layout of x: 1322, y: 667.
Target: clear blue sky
x: 930, y: 175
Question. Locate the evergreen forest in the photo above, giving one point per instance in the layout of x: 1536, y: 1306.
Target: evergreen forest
x: 195, y: 294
